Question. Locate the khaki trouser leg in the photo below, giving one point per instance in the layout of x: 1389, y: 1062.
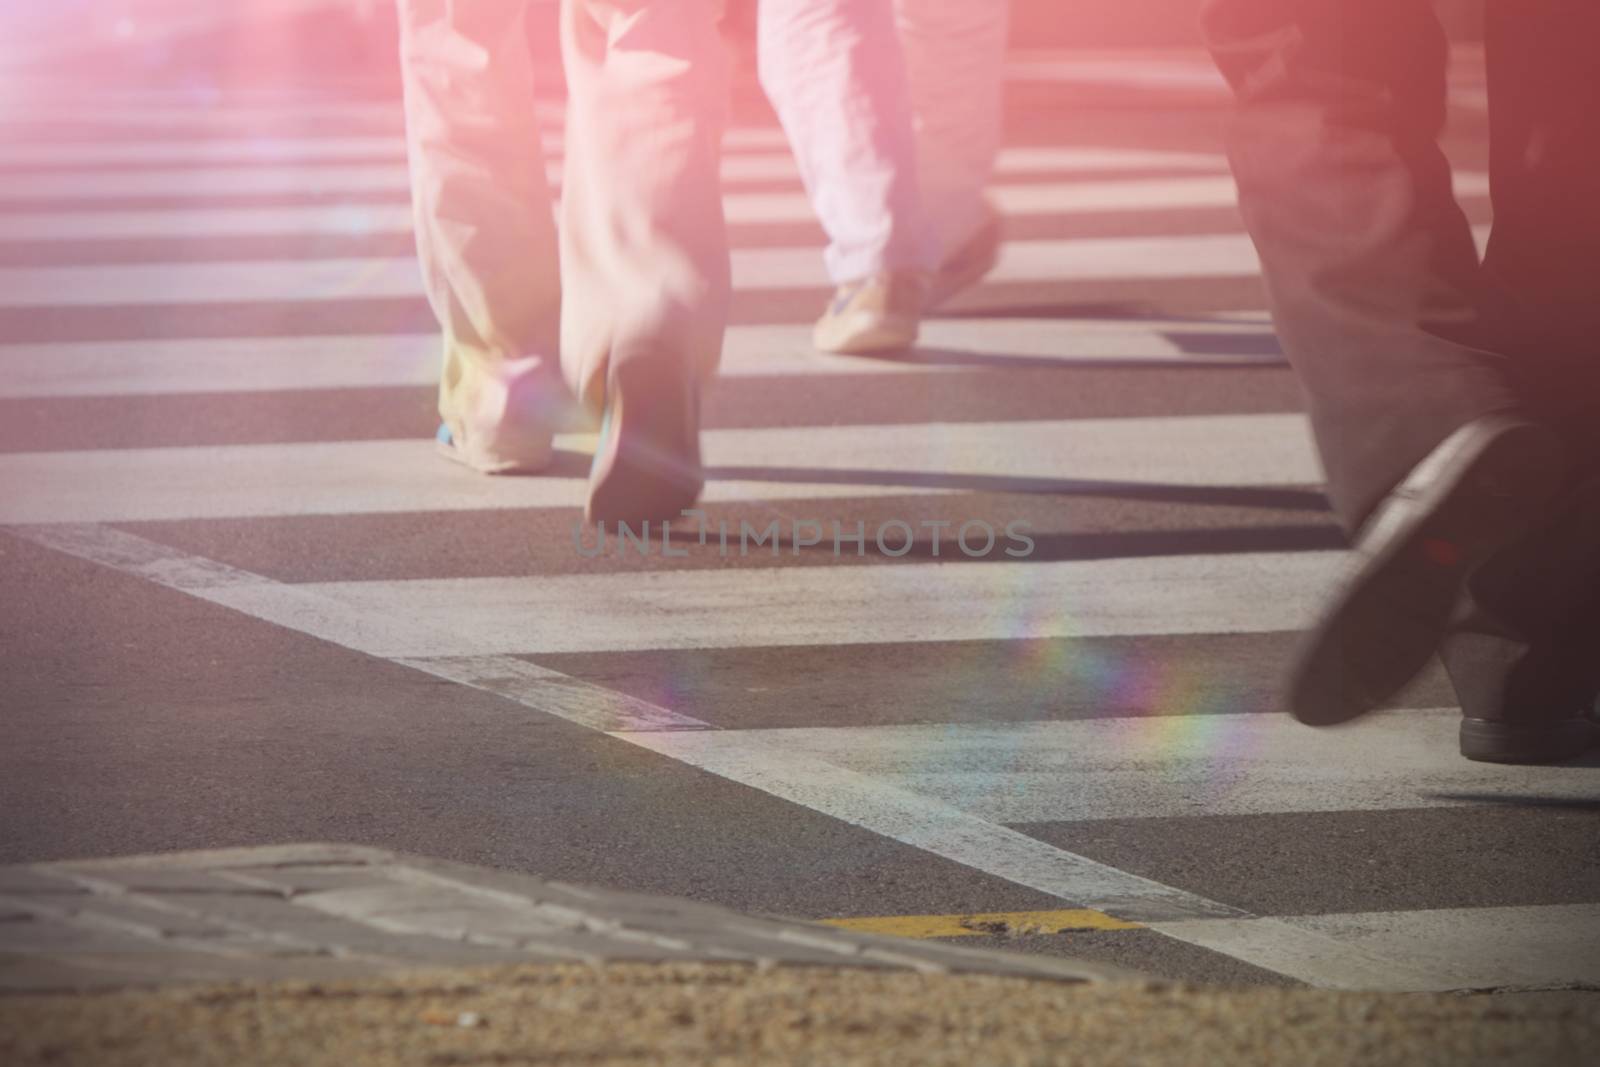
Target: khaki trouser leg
x: 644, y: 252
x: 485, y: 233
x: 834, y: 73
x: 955, y: 53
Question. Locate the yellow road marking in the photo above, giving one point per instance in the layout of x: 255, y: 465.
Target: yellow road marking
x: 978, y: 924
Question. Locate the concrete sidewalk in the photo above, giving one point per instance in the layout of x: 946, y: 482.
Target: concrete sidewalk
x: 328, y: 954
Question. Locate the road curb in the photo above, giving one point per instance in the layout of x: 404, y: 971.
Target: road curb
x: 328, y: 912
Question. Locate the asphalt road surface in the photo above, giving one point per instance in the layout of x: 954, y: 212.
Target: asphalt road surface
x: 244, y: 602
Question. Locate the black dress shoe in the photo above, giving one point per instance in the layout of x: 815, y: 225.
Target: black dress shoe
x: 1474, y: 494
x: 1524, y: 652
x: 1524, y: 701
x: 1522, y: 740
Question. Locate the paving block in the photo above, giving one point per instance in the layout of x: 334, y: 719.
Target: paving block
x: 322, y: 910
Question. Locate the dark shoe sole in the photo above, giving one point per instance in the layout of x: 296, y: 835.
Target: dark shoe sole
x: 1496, y: 741
x: 1473, y: 495
x: 647, y: 465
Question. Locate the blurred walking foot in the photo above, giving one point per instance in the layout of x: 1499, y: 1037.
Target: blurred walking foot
x: 1531, y: 738
x: 1524, y: 651
x: 967, y: 265
x: 877, y: 314
x: 647, y: 464
x: 529, y: 453
x: 1472, y: 496
x: 498, y: 415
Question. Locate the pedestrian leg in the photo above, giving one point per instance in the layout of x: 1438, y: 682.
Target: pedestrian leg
x: 1525, y: 658
x: 834, y: 73
x: 955, y: 61
x: 484, y: 229
x: 1429, y: 444
x: 644, y: 253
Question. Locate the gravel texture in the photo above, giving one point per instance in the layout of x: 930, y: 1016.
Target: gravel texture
x: 736, y: 1014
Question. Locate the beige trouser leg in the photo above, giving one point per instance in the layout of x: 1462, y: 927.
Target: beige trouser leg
x: 834, y: 74
x: 644, y: 252
x: 955, y: 59
x: 485, y: 233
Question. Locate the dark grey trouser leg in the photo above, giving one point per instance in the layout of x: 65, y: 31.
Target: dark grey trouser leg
x: 1395, y: 331
x: 1530, y: 646
x: 1370, y: 264
x: 1543, y: 258
x: 1527, y: 644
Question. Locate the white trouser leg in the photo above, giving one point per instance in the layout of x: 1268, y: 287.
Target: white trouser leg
x: 485, y: 234
x: 834, y: 73
x: 644, y: 252
x: 955, y: 59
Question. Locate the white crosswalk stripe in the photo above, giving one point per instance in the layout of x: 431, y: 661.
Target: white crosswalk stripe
x: 972, y: 792
x: 778, y: 607
x: 1134, y: 768
x: 754, y: 269
x: 1044, y: 198
x: 255, y: 180
x: 794, y: 463
x: 265, y: 364
x: 367, y: 220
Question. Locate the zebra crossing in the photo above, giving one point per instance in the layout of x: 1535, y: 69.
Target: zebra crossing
x: 1032, y: 716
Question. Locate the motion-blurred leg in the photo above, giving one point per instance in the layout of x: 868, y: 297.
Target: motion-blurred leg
x: 955, y: 59
x: 644, y: 253
x: 1381, y: 307
x: 834, y: 73
x: 484, y: 229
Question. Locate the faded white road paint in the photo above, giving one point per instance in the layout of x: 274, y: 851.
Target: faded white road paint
x: 792, y: 463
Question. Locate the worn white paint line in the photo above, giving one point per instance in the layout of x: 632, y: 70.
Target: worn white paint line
x: 1131, y: 71
x: 271, y: 149
x: 240, y: 180
x: 914, y: 820
x: 217, y: 365
x: 559, y: 694
x: 38, y: 33
x: 1208, y: 255
x: 1000, y: 342
x: 201, y: 283
x: 388, y: 220
x: 777, y: 606
x: 554, y: 693
x: 1480, y: 948
x: 1317, y: 959
x: 1050, y: 198
x: 274, y: 148
x: 1189, y: 75
x: 1297, y: 948
x: 1476, y: 948
x: 1184, y: 763
x: 188, y: 224
x: 1042, y: 198
x: 932, y: 826
x: 754, y: 269
x: 226, y: 115
x: 232, y: 365
x: 266, y: 180
x: 792, y: 463
x: 1540, y: 947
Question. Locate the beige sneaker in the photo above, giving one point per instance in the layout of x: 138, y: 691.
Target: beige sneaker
x: 877, y: 314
